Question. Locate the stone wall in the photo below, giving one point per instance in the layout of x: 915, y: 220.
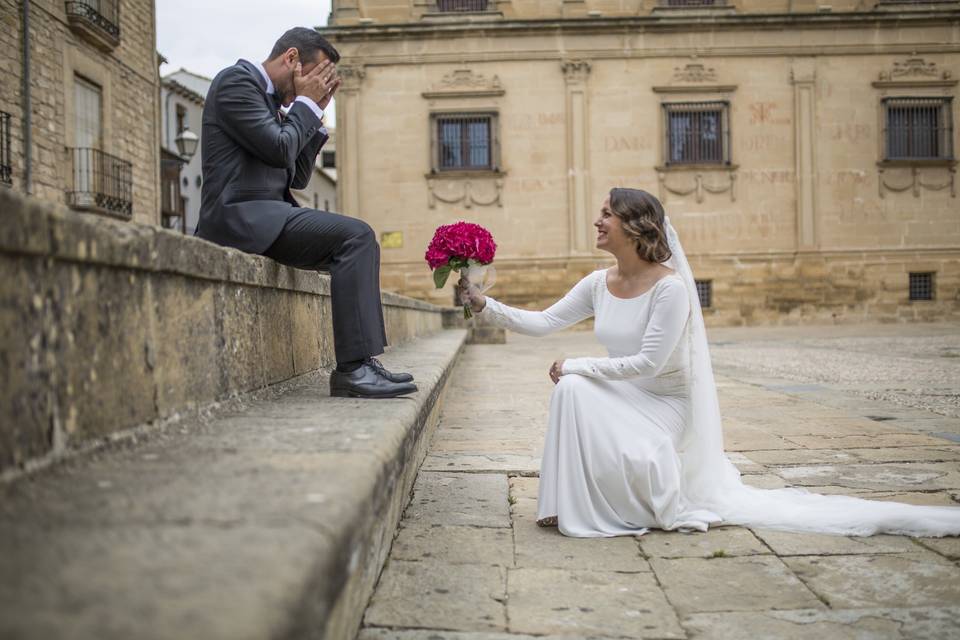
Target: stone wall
x: 807, y: 221
x: 106, y: 325
x: 127, y: 76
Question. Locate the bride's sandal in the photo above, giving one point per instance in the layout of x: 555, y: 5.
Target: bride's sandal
x: 550, y: 521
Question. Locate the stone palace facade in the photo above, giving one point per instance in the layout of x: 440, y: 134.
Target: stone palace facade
x: 804, y: 151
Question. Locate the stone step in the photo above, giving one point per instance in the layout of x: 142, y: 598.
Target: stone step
x: 269, y: 521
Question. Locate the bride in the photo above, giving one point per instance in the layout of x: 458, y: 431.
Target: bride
x: 634, y: 440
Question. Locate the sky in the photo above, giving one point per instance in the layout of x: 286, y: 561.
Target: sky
x: 207, y: 35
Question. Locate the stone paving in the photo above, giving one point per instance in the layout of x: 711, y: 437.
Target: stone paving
x: 469, y: 562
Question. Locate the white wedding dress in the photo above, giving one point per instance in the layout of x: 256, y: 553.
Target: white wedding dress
x: 634, y: 440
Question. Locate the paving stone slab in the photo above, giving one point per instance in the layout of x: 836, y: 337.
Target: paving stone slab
x: 436, y: 595
x: 802, y: 544
x: 482, y: 463
x: 764, y: 480
x: 546, y: 547
x: 915, y: 579
x: 752, y: 439
x: 903, y: 476
x: 717, y: 542
x: 801, y: 456
x: 859, y: 624
x: 744, y: 464
x: 752, y: 583
x: 460, y: 499
x: 947, y: 547
x: 453, y: 544
x: 589, y: 603
x: 374, y: 633
x: 867, y: 440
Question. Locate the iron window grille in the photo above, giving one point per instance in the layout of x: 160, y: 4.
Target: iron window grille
x: 705, y: 293
x: 697, y: 132
x: 328, y: 159
x: 921, y: 286
x: 918, y: 128
x: 462, y: 6
x: 101, y: 182
x: 465, y: 142
x: 6, y: 162
x: 692, y: 3
x: 101, y: 14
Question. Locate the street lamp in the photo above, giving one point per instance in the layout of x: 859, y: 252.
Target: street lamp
x: 187, y: 142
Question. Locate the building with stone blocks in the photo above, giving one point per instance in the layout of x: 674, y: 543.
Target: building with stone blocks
x: 804, y: 151
x: 90, y: 116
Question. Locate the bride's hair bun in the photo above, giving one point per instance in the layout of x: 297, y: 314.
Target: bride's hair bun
x: 643, y: 222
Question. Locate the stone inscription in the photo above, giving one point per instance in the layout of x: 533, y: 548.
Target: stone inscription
x: 767, y: 113
x: 763, y: 142
x: 531, y: 120
x: 625, y: 143
x: 851, y: 132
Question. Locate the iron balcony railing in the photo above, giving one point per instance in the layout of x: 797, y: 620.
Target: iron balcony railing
x: 6, y: 163
x: 103, y: 14
x: 101, y: 182
x: 462, y: 6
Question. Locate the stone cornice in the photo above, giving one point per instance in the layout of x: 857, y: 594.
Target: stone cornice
x: 631, y: 25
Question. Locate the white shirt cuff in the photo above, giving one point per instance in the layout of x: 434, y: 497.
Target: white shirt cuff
x: 317, y: 111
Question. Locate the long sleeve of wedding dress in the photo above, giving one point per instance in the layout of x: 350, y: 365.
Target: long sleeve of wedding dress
x: 665, y: 329
x: 577, y: 305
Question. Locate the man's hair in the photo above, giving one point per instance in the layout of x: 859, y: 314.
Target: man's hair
x: 308, y: 42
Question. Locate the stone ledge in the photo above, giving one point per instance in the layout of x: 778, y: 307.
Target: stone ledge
x: 38, y: 228
x: 107, y: 325
x: 273, y: 522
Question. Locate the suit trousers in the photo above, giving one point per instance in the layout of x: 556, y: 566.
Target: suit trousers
x: 347, y: 249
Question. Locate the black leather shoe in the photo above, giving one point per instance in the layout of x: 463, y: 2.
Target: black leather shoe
x: 367, y: 382
x: 389, y: 375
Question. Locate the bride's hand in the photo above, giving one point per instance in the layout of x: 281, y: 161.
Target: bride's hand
x: 556, y: 370
x: 469, y: 293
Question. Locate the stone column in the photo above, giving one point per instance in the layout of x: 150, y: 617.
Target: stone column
x: 576, y: 73
x: 348, y: 140
x: 803, y: 77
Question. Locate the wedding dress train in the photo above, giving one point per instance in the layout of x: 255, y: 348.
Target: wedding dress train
x: 634, y: 440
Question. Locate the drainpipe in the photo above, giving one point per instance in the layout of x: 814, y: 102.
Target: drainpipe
x: 27, y: 106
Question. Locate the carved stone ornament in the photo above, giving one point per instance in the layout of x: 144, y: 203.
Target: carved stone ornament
x: 465, y: 191
x: 465, y: 82
x: 916, y: 183
x: 352, y: 76
x: 699, y: 188
x: 575, y: 70
x: 694, y: 72
x: 912, y: 69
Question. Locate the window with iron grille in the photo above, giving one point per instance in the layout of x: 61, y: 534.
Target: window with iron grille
x: 6, y: 163
x: 918, y: 128
x: 921, y: 286
x: 464, y: 142
x: 462, y: 6
x: 705, y: 293
x: 328, y: 159
x: 692, y: 3
x: 697, y: 132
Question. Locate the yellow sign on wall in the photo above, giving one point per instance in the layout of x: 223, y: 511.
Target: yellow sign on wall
x: 391, y: 240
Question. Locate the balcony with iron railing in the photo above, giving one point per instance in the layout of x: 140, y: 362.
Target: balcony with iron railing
x: 100, y: 182
x: 6, y: 161
x: 96, y: 20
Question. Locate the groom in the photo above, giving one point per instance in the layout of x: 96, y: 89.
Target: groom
x: 253, y: 154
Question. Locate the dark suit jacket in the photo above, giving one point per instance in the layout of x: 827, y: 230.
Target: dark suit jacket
x: 251, y: 160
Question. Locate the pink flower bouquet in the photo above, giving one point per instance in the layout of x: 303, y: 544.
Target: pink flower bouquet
x: 463, y: 247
